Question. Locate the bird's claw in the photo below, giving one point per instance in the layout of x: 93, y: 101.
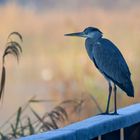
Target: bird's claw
x: 114, y: 113
x: 105, y: 113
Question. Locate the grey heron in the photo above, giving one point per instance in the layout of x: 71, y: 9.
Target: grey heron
x: 109, y: 61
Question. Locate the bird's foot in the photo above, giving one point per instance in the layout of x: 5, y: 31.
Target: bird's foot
x: 105, y: 113
x: 114, y: 113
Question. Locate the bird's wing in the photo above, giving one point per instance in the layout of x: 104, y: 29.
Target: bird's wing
x: 110, y: 61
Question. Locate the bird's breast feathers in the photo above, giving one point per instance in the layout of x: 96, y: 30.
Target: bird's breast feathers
x: 109, y: 60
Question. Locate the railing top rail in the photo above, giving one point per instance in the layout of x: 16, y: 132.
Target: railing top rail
x: 93, y: 127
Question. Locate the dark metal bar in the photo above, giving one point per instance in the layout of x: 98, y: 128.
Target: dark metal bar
x: 95, y: 138
x: 132, y: 132
x: 115, y: 135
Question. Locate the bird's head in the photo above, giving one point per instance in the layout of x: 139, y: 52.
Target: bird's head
x: 89, y: 32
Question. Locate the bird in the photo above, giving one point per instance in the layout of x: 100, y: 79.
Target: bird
x: 109, y: 61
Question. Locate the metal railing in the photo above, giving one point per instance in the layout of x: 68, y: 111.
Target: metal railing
x: 125, y: 126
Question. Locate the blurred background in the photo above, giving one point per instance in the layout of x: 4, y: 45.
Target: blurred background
x: 57, y: 68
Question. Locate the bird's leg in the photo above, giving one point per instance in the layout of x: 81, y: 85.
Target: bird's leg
x: 108, y: 102
x: 115, y: 100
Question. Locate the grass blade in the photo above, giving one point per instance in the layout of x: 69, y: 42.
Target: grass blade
x: 22, y: 129
x: 18, y: 118
x: 13, y: 131
x: 2, y: 84
x: 17, y: 34
x: 3, y: 137
x: 31, y: 128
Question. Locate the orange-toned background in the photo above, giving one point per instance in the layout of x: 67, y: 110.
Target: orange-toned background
x: 56, y: 67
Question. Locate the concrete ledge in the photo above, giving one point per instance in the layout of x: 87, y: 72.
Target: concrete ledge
x: 93, y: 127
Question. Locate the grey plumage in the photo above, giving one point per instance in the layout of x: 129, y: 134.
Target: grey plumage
x: 109, y: 60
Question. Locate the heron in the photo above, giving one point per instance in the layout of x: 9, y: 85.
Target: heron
x: 109, y: 61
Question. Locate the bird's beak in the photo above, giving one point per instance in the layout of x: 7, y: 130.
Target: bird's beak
x: 78, y: 34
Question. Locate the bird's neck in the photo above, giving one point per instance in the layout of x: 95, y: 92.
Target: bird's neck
x: 89, y: 44
x: 89, y: 47
x: 92, y: 41
x: 96, y: 37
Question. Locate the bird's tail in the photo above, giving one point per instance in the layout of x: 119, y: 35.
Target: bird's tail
x: 128, y: 88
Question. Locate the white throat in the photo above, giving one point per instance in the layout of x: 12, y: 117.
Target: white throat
x: 95, y: 35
